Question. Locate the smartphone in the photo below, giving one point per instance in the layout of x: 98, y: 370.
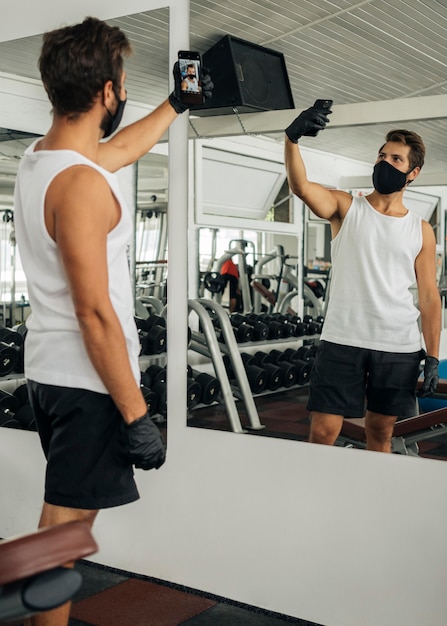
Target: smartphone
x: 190, y: 65
x: 324, y: 105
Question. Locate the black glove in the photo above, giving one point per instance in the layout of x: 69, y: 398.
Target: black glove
x: 431, y: 377
x: 175, y: 97
x: 308, y: 123
x: 144, y: 444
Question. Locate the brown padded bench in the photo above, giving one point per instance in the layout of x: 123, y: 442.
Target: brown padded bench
x: 408, y: 428
x: 32, y: 576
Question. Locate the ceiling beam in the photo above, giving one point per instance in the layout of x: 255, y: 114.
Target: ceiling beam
x: 344, y: 115
x: 431, y: 179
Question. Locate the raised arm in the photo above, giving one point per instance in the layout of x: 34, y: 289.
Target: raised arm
x: 132, y: 142
x: 325, y: 203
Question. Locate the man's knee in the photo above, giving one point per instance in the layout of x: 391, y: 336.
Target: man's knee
x: 380, y: 427
x: 325, y: 428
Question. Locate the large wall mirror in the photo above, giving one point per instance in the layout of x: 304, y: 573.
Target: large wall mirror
x: 254, y: 367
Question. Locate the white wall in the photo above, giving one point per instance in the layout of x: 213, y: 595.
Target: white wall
x: 340, y: 537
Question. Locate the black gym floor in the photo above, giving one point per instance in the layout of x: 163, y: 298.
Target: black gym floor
x: 115, y: 598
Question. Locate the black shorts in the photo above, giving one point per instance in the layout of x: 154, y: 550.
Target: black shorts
x: 80, y: 432
x: 343, y: 377
x: 234, y: 284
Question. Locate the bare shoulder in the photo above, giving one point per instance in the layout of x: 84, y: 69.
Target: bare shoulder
x: 80, y: 198
x: 79, y: 185
x: 428, y: 234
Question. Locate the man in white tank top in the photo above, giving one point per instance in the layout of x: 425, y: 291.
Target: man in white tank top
x: 371, y: 345
x: 73, y: 231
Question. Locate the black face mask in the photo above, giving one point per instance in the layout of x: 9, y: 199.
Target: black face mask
x: 110, y: 126
x: 388, y: 179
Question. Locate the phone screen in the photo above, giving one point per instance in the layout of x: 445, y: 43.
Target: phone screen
x: 190, y: 86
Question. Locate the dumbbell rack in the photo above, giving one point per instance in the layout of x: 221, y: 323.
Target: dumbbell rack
x: 206, y: 344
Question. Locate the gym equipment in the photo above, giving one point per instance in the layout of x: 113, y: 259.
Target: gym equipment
x: 206, y: 343
x: 214, y: 282
x: 260, y: 330
x: 9, y: 350
x: 15, y: 410
x: 13, y: 339
x: 8, y: 407
x: 151, y: 400
x: 210, y: 387
x: 153, y: 374
x: 152, y: 334
x: 32, y: 576
x: 242, y: 331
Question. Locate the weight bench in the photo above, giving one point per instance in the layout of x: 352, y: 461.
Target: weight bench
x: 408, y: 431
x: 32, y: 576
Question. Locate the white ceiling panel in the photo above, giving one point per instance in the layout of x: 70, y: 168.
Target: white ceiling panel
x: 352, y: 52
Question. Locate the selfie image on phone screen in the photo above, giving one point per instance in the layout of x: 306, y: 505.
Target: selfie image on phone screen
x: 191, y: 89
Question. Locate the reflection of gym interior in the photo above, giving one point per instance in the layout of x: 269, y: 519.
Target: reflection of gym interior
x: 246, y: 523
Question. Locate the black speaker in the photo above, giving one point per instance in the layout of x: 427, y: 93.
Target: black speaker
x: 247, y: 77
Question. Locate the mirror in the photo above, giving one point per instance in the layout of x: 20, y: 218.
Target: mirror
x: 18, y: 66
x: 242, y: 190
x: 278, y: 411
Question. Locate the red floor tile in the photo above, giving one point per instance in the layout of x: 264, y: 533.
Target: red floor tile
x: 151, y: 605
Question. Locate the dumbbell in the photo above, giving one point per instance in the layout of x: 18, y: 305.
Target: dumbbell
x: 9, y: 350
x: 274, y: 374
x: 256, y: 376
x: 242, y: 331
x: 275, y: 329
x: 288, y: 329
x: 152, y: 334
x: 276, y: 358
x: 151, y: 399
x: 8, y: 408
x: 160, y: 390
x: 209, y: 385
x: 24, y: 413
x: 18, y: 338
x: 313, y: 326
x: 153, y: 374
x: 260, y: 330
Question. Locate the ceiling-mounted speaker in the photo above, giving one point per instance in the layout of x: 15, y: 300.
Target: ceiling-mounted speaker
x: 246, y: 77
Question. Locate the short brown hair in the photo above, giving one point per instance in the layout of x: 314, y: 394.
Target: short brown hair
x: 76, y: 61
x: 412, y: 139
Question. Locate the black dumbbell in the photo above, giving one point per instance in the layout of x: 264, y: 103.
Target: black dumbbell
x: 153, y: 374
x: 304, y: 353
x: 160, y: 389
x: 24, y: 413
x: 257, y: 377
x: 151, y: 399
x: 8, y: 408
x: 193, y: 393
x: 152, y: 333
x: 209, y: 385
x: 260, y: 330
x: 274, y: 374
x: 303, y: 369
x: 9, y: 350
x: 242, y: 331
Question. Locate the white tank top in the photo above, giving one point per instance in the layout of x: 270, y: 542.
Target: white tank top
x: 370, y: 302
x: 54, y: 350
